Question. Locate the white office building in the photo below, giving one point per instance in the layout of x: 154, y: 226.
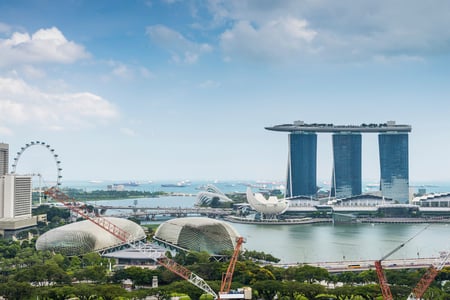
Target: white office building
x: 15, y: 198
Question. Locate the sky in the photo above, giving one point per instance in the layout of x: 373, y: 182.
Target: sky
x: 172, y: 90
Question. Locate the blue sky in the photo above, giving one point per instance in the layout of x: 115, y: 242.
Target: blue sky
x: 158, y: 90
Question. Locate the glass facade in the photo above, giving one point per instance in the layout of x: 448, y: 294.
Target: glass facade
x: 394, y: 181
x: 302, y: 173
x: 346, y: 177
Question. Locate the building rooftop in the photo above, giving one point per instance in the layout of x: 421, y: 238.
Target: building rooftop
x: 300, y: 126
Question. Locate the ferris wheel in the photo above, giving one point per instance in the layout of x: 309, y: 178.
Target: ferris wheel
x: 52, y: 152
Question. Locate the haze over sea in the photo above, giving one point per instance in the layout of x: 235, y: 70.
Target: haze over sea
x: 306, y: 243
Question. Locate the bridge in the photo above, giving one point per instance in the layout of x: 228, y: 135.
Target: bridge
x: 151, y: 212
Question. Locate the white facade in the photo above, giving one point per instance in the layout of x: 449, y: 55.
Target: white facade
x: 15, y: 196
x: 271, y: 206
x: 4, y: 157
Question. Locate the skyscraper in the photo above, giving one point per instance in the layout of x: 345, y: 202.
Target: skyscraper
x: 346, y: 177
x: 301, y: 177
x: 15, y: 199
x: 346, y: 174
x: 4, y: 157
x: 15, y: 196
x: 394, y: 179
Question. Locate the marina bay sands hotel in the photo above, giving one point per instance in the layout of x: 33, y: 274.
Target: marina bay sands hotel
x: 346, y: 175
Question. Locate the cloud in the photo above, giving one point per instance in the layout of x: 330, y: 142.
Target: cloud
x: 276, y: 40
x: 126, y: 71
x: 24, y: 105
x: 44, y: 46
x: 340, y: 30
x: 181, y: 49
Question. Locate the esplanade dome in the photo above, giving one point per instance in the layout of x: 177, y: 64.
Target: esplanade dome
x: 198, y: 234
x: 83, y: 237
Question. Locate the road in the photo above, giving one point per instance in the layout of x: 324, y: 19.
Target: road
x: 357, y: 266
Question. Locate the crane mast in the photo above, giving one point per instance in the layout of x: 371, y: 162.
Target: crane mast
x: 227, y: 279
x: 427, y: 279
x: 384, y: 285
x: 126, y: 238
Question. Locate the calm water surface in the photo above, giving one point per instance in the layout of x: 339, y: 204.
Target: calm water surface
x: 324, y: 242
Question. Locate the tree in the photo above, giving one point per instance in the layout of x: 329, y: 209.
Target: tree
x: 267, y: 289
x: 138, y: 275
x: 184, y: 287
x: 56, y: 293
x: 92, y: 273
x: 325, y: 297
x: 86, y: 292
x: 311, y: 274
x: 14, y: 290
x: 110, y: 291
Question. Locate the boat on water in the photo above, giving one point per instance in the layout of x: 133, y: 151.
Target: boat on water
x: 95, y: 181
x: 178, y: 184
x: 129, y: 183
x: 183, y: 183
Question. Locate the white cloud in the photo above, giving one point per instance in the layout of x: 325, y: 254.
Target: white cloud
x: 22, y: 104
x: 122, y: 71
x: 181, y: 49
x: 275, y: 40
x: 44, y: 46
x: 31, y: 72
x: 343, y: 30
x: 126, y: 71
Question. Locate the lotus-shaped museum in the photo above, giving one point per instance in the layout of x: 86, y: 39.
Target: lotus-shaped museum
x: 269, y: 207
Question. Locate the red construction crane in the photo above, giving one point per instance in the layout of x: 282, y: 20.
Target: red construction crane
x: 384, y: 285
x: 427, y: 279
x: 228, y: 277
x: 125, y: 237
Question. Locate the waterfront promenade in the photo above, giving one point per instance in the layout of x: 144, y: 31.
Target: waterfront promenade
x: 147, y: 212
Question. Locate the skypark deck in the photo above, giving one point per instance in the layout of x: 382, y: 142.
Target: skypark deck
x: 300, y: 126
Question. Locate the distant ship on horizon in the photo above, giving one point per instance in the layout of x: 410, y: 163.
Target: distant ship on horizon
x: 129, y: 183
x: 183, y: 183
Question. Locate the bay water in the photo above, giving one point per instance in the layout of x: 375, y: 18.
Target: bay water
x: 319, y: 242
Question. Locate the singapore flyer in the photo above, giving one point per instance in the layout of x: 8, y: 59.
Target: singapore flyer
x: 56, y: 176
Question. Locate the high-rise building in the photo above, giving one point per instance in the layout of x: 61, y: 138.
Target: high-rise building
x: 302, y: 173
x: 346, y: 181
x: 394, y: 171
x: 15, y: 205
x: 15, y: 196
x: 346, y: 177
x: 4, y: 157
x: 15, y: 199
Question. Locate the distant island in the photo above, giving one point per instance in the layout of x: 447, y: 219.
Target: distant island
x: 82, y: 195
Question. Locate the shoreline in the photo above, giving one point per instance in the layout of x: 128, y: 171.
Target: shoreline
x: 306, y: 221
